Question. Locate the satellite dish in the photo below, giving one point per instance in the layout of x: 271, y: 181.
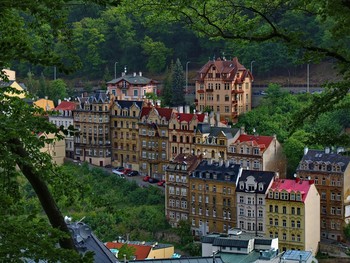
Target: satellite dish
x: 295, y: 175
x: 67, y: 219
x: 84, y: 231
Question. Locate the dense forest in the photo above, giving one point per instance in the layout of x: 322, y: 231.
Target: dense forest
x: 111, y: 39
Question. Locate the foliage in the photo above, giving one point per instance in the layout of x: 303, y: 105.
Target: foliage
x: 178, y: 83
x: 126, y: 251
x: 184, y: 232
x: 167, y: 85
x: 347, y: 231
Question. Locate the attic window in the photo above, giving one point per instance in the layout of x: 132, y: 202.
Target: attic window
x: 241, y: 185
x: 214, y: 68
x: 261, y: 186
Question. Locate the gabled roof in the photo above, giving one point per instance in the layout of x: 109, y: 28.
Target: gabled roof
x: 66, y: 105
x: 326, y: 158
x: 191, y: 161
x: 263, y: 142
x: 127, y: 104
x: 187, y: 117
x: 142, y: 251
x: 291, y: 185
x: 224, y: 172
x: 44, y: 104
x: 134, y: 79
x: 264, y: 177
x: 163, y: 112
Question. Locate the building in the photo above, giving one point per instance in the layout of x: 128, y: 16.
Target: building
x: 177, y: 192
x: 124, y: 133
x: 250, y: 195
x: 293, y: 214
x: 224, y: 86
x: 56, y: 149
x: 181, y: 132
x: 212, y: 142
x: 144, y: 250
x: 257, y: 152
x: 239, y: 247
x: 153, y: 134
x: 92, y: 120
x: 64, y: 117
x: 213, y: 197
x: 45, y: 104
x: 297, y: 256
x: 331, y: 173
x: 131, y: 86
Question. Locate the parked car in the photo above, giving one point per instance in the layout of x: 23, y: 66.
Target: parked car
x: 126, y: 171
x: 146, y: 178
x: 119, y: 168
x: 152, y: 180
x: 118, y: 173
x: 133, y: 173
x: 161, y: 183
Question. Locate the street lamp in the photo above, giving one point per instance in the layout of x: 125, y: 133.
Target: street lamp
x: 251, y: 66
x: 115, y: 69
x: 308, y: 78
x: 187, y: 75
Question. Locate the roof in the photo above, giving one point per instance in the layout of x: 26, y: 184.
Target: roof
x: 126, y: 104
x: 134, y: 79
x: 191, y: 161
x: 183, y: 260
x: 264, y: 177
x: 322, y: 157
x: 187, y: 117
x: 224, y: 171
x: 142, y: 251
x: 229, y: 242
x: 296, y: 254
x: 216, y: 131
x: 85, y: 240
x: 263, y: 142
x: 66, y: 105
x: 45, y: 104
x: 241, y: 258
x: 291, y: 185
x: 163, y: 112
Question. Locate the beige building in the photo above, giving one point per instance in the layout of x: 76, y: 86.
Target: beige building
x: 56, y: 149
x: 92, y: 120
x: 131, y: 86
x: 125, y: 133
x: 257, y: 152
x: 331, y: 173
x: 293, y: 214
x: 154, y: 140
x: 177, y: 191
x: 224, y: 86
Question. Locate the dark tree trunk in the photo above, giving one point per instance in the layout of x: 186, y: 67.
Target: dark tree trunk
x: 41, y: 189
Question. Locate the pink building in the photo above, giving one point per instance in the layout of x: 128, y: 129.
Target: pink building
x: 131, y: 86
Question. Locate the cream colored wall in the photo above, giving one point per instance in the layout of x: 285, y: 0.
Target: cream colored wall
x: 11, y: 74
x: 274, y: 159
x: 57, y: 150
x: 158, y: 253
x: 312, y: 220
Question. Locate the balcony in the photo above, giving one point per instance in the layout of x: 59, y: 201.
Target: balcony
x: 237, y: 91
x: 209, y: 90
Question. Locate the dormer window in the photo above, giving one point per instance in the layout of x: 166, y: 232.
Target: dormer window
x: 261, y: 187
x: 270, y: 194
x: 277, y: 195
x: 298, y: 196
x: 241, y: 185
x: 292, y: 196
x: 256, y: 151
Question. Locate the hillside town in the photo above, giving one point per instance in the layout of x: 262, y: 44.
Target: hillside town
x: 231, y: 186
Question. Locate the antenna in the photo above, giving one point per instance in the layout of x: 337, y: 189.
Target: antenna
x: 81, y: 219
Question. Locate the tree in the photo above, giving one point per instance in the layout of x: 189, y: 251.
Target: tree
x: 178, y: 83
x: 57, y: 90
x: 126, y: 252
x: 315, y: 31
x: 157, y: 54
x: 167, y: 88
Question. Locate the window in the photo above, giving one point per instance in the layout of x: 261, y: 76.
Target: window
x: 276, y: 209
x: 271, y: 209
x: 241, y: 199
x: 284, y: 236
x: 323, y: 195
x: 298, y: 238
x: 284, y: 210
x: 276, y: 221
x: 332, y: 210
x: 293, y: 210
x: 298, y: 211
x: 292, y: 223
x: 271, y: 221
x: 260, y: 226
x: 260, y: 201
x: 298, y: 224
x: 284, y: 223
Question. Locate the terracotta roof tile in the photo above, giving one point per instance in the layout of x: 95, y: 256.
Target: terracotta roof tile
x: 262, y: 141
x: 292, y: 185
x: 66, y: 105
x: 142, y: 251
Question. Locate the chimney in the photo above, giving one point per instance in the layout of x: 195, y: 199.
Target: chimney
x: 327, y: 150
x: 217, y: 118
x: 59, y: 102
x: 340, y: 150
x: 187, y: 109
x: 210, y: 161
x: 227, y: 163
x: 140, y: 73
x: 134, y: 74
x: 306, y: 150
x: 221, y: 162
x: 297, y: 179
x: 242, y: 130
x: 180, y: 109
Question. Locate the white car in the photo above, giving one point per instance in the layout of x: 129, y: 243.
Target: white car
x: 118, y: 173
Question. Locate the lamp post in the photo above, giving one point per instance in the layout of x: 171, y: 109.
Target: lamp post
x: 115, y: 69
x: 251, y: 66
x: 187, y: 75
x: 308, y: 78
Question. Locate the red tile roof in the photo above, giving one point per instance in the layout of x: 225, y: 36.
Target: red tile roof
x: 292, y: 185
x: 187, y: 117
x: 141, y: 253
x: 256, y: 140
x: 66, y: 105
x: 163, y: 112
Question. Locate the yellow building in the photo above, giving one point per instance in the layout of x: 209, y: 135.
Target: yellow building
x: 293, y: 214
x: 45, y: 104
x: 14, y: 85
x: 224, y: 86
x: 124, y: 132
x: 56, y: 149
x: 212, y: 196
